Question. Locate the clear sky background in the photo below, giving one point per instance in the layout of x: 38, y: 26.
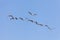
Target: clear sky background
x: 48, y: 12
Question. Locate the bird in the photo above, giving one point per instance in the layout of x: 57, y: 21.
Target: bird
x: 11, y: 17
x: 21, y: 18
x: 40, y: 24
x: 30, y: 20
x: 48, y: 27
x: 36, y: 22
x: 16, y: 18
x: 31, y: 13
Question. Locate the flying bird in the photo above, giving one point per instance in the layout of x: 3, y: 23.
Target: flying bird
x: 11, y: 17
x: 21, y: 18
x: 16, y: 18
x: 36, y: 22
x: 30, y: 20
x: 40, y: 24
x: 48, y: 27
x: 31, y: 13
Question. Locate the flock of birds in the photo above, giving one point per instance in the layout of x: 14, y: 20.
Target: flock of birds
x: 30, y: 20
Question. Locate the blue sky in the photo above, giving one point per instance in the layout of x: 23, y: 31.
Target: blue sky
x: 48, y: 12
